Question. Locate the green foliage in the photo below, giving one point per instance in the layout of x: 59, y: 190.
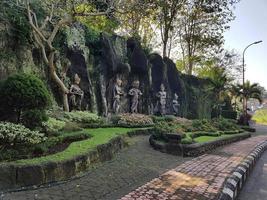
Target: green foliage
x: 168, y: 118
x: 101, y: 23
x: 98, y: 136
x: 16, y: 16
x: 167, y: 127
x: 53, y: 126
x: 92, y: 40
x: 132, y: 120
x: 22, y: 92
x: 187, y: 139
x: 33, y: 118
x: 229, y: 114
x: 12, y: 135
x: 84, y: 117
x: 260, y: 116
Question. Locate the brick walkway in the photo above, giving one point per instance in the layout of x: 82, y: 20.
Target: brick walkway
x: 199, y: 179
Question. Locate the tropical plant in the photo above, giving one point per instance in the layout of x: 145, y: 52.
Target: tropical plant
x: 249, y: 91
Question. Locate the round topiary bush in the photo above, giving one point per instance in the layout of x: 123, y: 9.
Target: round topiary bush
x: 22, y: 92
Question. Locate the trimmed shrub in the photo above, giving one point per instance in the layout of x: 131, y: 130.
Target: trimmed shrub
x: 84, y: 117
x: 33, y: 118
x: 12, y: 135
x: 132, y: 120
x: 223, y: 124
x: 53, y: 126
x: 22, y: 92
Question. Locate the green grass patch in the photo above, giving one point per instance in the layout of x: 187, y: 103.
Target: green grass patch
x: 260, y: 117
x: 98, y: 136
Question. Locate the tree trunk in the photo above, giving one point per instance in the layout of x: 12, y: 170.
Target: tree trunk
x: 59, y: 82
x: 65, y: 102
x: 164, y: 48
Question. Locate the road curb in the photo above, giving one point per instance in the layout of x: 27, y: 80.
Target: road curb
x: 234, y: 183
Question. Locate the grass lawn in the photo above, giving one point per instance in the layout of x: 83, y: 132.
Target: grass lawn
x: 98, y: 136
x: 260, y: 116
x: 203, y: 139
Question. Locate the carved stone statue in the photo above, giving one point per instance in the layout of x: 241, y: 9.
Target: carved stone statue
x: 175, y: 104
x: 135, y: 93
x: 117, y: 93
x: 76, y: 94
x: 162, y: 95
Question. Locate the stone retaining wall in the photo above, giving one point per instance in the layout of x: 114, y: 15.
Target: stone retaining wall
x: 15, y: 176
x: 194, y: 149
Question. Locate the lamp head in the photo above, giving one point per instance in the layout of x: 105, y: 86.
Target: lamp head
x: 258, y: 42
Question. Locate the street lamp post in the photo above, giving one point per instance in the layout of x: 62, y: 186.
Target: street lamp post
x: 244, y: 101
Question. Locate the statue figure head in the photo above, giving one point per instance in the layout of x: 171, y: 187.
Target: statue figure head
x: 118, y: 82
x: 162, y: 87
x: 77, y: 79
x: 136, y: 84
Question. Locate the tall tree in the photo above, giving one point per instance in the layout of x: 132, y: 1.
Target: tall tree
x: 166, y: 15
x: 136, y: 20
x: 59, y: 13
x: 200, y: 27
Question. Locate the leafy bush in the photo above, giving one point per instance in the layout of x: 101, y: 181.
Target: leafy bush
x: 187, y: 140
x: 13, y: 135
x: 132, y: 120
x: 84, y: 117
x: 157, y: 119
x: 203, y: 125
x: 223, y: 124
x: 53, y: 126
x: 229, y: 114
x: 33, y: 118
x: 22, y: 92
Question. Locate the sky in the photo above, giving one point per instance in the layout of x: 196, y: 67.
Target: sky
x: 249, y: 26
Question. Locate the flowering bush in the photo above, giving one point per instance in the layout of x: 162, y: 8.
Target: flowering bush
x: 14, y: 134
x: 53, y: 125
x: 131, y: 120
x: 83, y: 117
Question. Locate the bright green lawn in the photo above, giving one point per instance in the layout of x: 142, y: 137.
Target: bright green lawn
x: 203, y: 139
x: 99, y: 136
x: 260, y: 116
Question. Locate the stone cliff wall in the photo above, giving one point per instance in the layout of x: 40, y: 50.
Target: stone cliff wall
x: 103, y: 59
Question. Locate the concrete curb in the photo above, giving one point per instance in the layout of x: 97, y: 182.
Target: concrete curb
x: 234, y: 183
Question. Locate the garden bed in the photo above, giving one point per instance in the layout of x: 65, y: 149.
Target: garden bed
x: 78, y: 157
x: 205, y: 144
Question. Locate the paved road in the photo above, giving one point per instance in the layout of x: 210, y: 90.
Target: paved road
x: 131, y: 168
x: 256, y: 186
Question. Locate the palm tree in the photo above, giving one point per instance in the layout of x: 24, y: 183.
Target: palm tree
x: 234, y: 91
x: 249, y: 91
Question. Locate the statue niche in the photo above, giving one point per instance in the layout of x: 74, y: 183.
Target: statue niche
x: 117, y: 93
x: 76, y: 94
x: 161, y: 102
x: 135, y: 93
x: 175, y: 105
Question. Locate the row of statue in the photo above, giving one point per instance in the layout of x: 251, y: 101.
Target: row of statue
x: 77, y: 95
x: 135, y: 94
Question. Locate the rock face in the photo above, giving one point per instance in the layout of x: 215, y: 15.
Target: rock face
x: 99, y: 62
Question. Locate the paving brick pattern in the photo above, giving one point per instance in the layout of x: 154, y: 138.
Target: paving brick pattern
x: 199, y: 179
x: 131, y: 167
